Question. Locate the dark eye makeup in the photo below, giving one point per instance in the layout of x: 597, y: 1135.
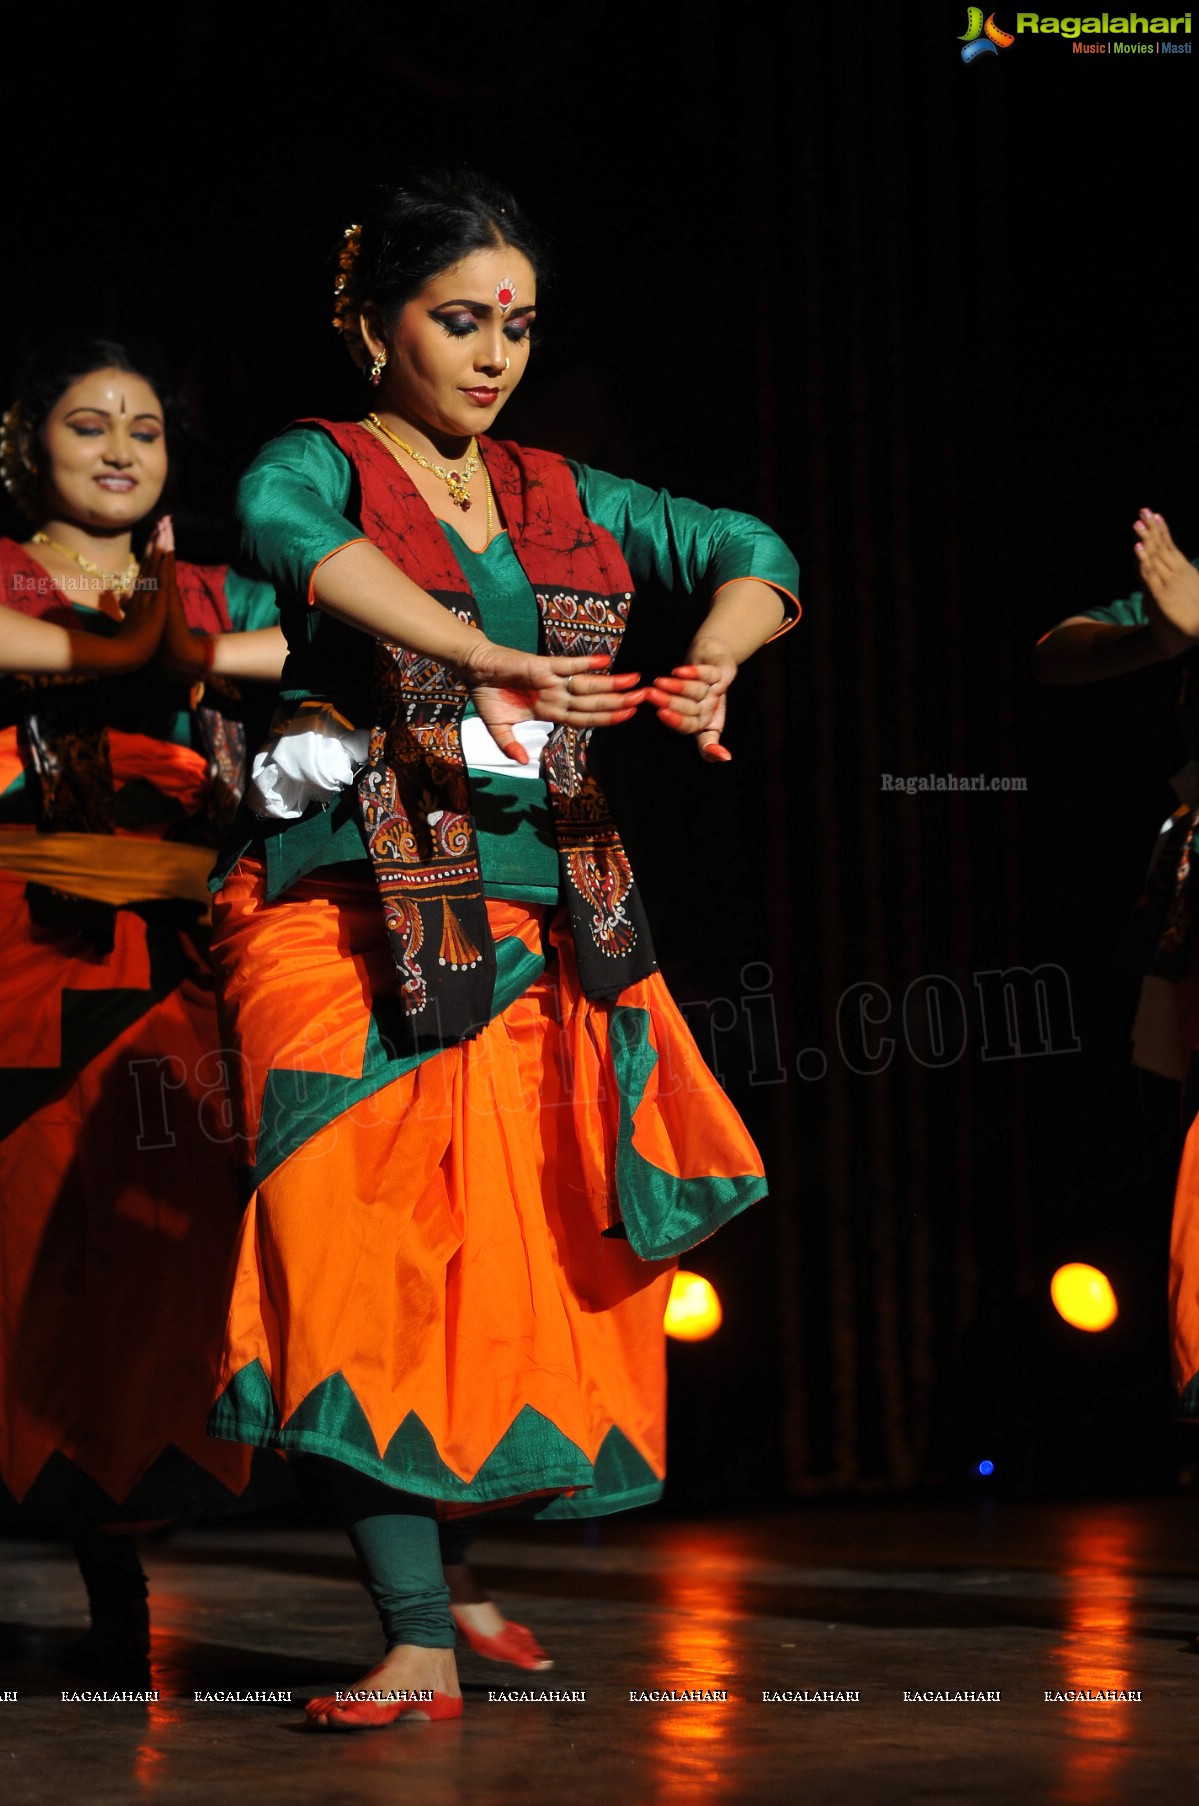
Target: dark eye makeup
x: 459, y: 325
x: 85, y: 429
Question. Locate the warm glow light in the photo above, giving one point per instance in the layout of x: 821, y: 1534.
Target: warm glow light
x: 1083, y: 1296
x: 693, y: 1309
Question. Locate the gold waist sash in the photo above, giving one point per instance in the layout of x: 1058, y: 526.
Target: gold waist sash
x: 108, y: 868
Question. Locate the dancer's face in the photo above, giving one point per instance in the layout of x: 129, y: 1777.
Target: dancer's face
x: 461, y: 346
x: 103, y: 458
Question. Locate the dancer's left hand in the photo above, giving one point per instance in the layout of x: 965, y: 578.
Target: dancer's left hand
x: 691, y: 699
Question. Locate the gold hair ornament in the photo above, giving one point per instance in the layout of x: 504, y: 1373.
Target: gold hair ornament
x: 16, y: 472
x: 347, y: 302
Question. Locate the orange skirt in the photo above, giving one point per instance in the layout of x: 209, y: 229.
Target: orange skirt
x: 1184, y: 1277
x: 453, y: 1269
x: 120, y: 1211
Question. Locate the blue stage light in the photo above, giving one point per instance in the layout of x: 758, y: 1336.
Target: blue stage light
x: 986, y: 1469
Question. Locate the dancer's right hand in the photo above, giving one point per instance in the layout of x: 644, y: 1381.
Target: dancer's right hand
x: 509, y: 687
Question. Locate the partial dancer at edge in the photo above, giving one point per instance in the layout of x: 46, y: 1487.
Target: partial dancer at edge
x: 118, y: 1186
x: 1148, y: 628
x: 479, y: 1132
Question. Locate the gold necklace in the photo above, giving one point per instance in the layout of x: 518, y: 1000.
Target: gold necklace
x: 121, y: 583
x: 454, y: 480
x: 490, y: 513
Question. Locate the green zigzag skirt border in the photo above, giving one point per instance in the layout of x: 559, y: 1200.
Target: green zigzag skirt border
x: 532, y: 1456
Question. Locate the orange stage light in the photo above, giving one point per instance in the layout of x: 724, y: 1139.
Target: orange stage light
x: 693, y: 1310
x: 1083, y: 1296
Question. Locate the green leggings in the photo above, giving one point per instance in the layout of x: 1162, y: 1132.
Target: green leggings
x: 402, y: 1549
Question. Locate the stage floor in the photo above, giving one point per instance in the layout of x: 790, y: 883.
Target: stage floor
x: 877, y: 1601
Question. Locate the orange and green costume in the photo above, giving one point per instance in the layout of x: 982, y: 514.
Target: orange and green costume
x: 477, y: 1130
x: 117, y: 1176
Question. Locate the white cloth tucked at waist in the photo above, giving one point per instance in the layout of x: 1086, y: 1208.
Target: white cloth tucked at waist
x: 316, y: 756
x: 482, y: 754
x: 310, y: 759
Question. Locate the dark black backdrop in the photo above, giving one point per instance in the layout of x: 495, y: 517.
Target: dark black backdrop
x: 932, y: 321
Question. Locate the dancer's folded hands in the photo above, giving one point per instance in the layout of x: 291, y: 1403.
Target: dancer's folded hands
x: 1171, y: 583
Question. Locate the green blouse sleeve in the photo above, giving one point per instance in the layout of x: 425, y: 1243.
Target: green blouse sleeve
x: 1131, y: 612
x: 250, y: 601
x: 682, y: 545
x: 1128, y: 613
x: 291, y: 504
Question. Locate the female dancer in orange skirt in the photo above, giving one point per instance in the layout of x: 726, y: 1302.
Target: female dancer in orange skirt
x: 478, y: 1131
x: 116, y: 1172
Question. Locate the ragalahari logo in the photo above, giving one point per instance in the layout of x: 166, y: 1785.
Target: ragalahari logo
x: 982, y: 37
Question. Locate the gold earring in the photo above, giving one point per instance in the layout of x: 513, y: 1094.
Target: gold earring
x: 378, y: 367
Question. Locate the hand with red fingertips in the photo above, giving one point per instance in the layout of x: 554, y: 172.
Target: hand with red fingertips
x: 508, y: 687
x: 691, y: 700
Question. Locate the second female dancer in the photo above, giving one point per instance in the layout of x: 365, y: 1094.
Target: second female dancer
x: 478, y: 1132
x: 118, y: 1186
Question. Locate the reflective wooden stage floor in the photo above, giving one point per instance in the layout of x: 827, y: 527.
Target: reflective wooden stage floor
x: 1015, y: 1599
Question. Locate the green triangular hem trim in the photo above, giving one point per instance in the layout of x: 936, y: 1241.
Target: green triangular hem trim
x: 295, y: 1105
x: 1188, y: 1398
x: 533, y: 1455
x: 592, y: 1504
x: 248, y: 1402
x: 412, y: 1450
x: 663, y: 1215
x: 623, y: 1479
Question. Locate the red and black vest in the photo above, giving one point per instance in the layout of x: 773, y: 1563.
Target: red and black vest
x: 414, y: 792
